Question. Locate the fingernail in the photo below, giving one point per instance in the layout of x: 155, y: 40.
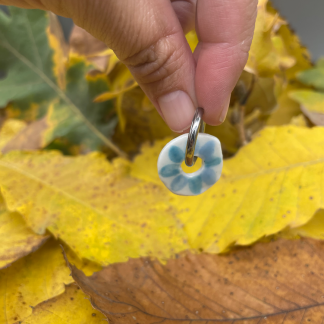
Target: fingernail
x: 177, y: 109
x: 224, y: 111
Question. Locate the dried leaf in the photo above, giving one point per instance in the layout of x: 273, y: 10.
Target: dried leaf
x: 29, y: 138
x: 268, y: 54
x: 82, y: 43
x: 276, y: 282
x: 294, y: 48
x: 16, y: 239
x: 34, y: 78
x: 312, y: 104
x: 9, y: 130
x: 287, y: 108
x: 71, y: 307
x: 144, y: 124
x: 121, y: 82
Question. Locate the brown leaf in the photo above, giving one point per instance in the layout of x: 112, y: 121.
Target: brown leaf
x: 83, y: 43
x: 317, y: 118
x: 277, y: 282
x: 29, y: 138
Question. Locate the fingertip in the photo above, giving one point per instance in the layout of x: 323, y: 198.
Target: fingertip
x: 177, y: 109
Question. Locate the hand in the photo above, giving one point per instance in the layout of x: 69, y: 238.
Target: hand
x: 148, y: 36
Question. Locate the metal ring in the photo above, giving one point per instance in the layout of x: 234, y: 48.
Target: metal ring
x: 197, y: 126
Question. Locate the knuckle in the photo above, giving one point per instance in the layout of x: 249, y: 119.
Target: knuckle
x: 158, y: 61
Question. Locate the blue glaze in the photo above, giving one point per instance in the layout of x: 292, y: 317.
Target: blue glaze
x: 207, y: 151
x: 170, y: 170
x: 195, y: 185
x: 209, y: 176
x: 213, y: 162
x: 179, y: 183
x: 176, y: 155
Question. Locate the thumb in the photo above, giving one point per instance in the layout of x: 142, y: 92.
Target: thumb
x: 147, y: 36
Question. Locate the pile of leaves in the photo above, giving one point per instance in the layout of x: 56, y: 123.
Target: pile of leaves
x: 79, y: 144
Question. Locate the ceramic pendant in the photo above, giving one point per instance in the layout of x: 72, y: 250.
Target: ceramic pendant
x: 208, y: 148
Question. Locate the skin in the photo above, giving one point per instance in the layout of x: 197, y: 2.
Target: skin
x: 148, y: 36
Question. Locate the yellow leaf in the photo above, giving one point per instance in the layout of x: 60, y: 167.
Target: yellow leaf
x: 227, y: 134
x: 60, y: 49
x: 114, y: 94
x: 313, y: 101
x: 71, y: 307
x: 299, y: 120
x: 268, y: 54
x: 294, y: 48
x: 313, y: 229
x: 273, y: 182
x: 9, y: 130
x: 144, y: 124
x: 312, y: 104
x: 94, y: 206
x: 30, y: 281
x: 287, y: 108
x: 33, y: 279
x: 29, y: 138
x: 16, y: 239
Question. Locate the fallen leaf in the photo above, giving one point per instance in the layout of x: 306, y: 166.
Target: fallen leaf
x: 8, y: 131
x: 71, y: 307
x: 299, y: 120
x: 293, y: 47
x: 227, y: 133
x: 144, y: 124
x: 33, y: 279
x: 60, y: 121
x: 83, y: 43
x: 314, y: 76
x: 286, y: 109
x: 312, y: 104
x: 57, y: 42
x: 121, y: 81
x: 16, y: 239
x: 29, y: 138
x: 34, y: 78
x: 313, y: 229
x: 272, y: 183
x: 268, y: 54
x: 94, y: 206
x: 276, y: 282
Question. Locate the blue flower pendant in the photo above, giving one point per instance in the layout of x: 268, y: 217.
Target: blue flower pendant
x: 208, y: 148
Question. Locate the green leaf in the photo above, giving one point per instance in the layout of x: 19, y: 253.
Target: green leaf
x: 31, y: 56
x: 313, y: 77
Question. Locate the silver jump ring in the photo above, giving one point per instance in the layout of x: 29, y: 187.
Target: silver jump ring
x: 197, y: 126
